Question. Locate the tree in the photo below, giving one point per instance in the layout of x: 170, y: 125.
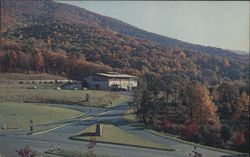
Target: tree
x: 24, y: 62
x: 227, y: 100
x: 239, y: 137
x: 200, y: 111
x: 205, y: 114
x: 210, y: 76
x: 226, y: 63
x: 6, y: 62
x: 242, y: 109
x: 205, y: 111
x: 13, y: 58
x: 173, y: 84
x: 39, y: 62
x: 153, y: 83
x: 143, y: 99
x: 10, y: 61
x: 225, y: 132
x: 191, y: 129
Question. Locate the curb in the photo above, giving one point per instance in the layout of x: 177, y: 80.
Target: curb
x: 77, y: 139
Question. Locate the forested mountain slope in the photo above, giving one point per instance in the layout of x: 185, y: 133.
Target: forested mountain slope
x: 38, y: 34
x: 48, y: 10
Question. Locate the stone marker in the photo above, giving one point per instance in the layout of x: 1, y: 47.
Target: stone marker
x: 99, y: 129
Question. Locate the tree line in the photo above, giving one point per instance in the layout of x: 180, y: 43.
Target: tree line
x: 212, y: 115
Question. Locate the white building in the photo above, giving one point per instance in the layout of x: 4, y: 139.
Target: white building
x: 109, y: 81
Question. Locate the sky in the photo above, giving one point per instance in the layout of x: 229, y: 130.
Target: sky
x: 223, y: 24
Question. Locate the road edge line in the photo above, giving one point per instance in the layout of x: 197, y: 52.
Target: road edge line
x: 58, y: 127
x: 61, y: 126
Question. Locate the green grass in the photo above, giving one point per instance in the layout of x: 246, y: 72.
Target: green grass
x: 70, y: 153
x: 12, y: 91
x: 115, y: 135
x: 130, y: 116
x: 74, y: 97
x: 18, y: 115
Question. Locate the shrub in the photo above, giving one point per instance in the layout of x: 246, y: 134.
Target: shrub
x: 238, y: 137
x: 190, y: 131
x: 27, y: 152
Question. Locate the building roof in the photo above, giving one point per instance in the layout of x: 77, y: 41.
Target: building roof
x: 112, y: 75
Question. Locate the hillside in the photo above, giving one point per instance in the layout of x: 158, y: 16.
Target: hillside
x: 48, y: 10
x: 45, y: 36
x: 124, y: 28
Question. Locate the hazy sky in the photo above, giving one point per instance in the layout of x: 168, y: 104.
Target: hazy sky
x: 215, y: 23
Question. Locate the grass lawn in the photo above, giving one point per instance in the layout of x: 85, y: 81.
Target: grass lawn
x: 130, y: 116
x: 70, y: 153
x: 96, y: 98
x: 18, y: 115
x: 113, y: 134
x: 12, y: 91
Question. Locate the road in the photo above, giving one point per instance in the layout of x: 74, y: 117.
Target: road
x: 42, y: 142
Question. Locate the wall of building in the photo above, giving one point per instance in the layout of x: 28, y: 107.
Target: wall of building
x: 104, y: 83
x: 124, y: 83
x: 97, y: 84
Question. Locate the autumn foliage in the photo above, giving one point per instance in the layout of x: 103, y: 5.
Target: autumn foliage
x: 239, y: 137
x: 186, y: 89
x: 187, y: 108
x: 191, y: 129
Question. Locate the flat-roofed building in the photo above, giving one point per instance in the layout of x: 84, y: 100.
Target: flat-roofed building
x: 111, y: 80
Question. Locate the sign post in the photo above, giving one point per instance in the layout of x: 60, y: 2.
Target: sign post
x: 31, y: 125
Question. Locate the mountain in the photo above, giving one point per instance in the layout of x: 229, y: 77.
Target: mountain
x: 239, y: 52
x: 124, y: 28
x: 46, y: 36
x: 49, y: 10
